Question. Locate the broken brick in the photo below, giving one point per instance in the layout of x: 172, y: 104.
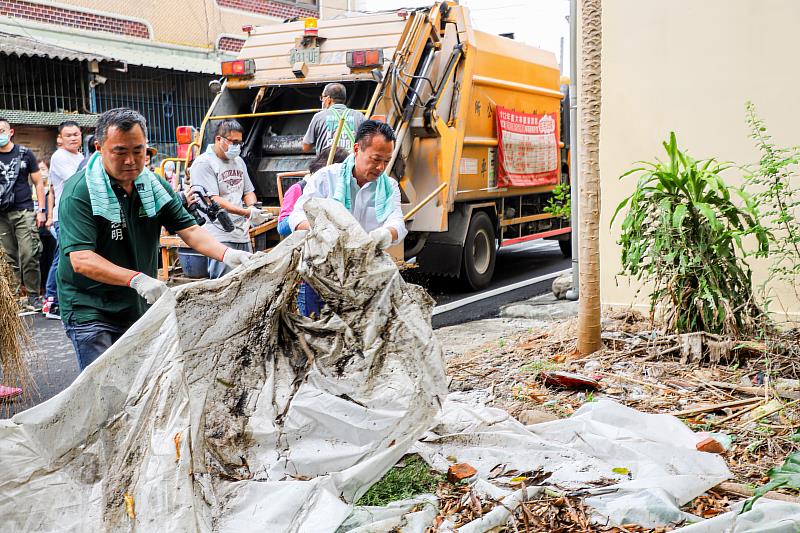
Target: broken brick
x: 459, y: 472
x: 710, y: 445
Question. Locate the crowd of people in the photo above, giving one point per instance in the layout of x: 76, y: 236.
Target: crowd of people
x: 105, y: 208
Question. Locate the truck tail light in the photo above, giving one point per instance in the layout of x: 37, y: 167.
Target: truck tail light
x: 184, y: 134
x: 365, y: 58
x: 240, y: 68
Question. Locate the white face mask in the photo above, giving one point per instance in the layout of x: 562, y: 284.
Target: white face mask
x: 233, y: 151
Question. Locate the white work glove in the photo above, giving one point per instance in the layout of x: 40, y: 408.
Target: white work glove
x: 257, y: 216
x: 233, y: 258
x: 382, y: 238
x: 148, y: 288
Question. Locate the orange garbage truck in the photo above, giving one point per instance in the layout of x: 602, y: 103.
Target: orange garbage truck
x: 479, y: 121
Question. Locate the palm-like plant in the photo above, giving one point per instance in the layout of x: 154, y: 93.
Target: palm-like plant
x: 682, y: 232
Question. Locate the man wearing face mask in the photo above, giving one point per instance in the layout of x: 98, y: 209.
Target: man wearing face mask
x: 19, y: 234
x: 224, y: 175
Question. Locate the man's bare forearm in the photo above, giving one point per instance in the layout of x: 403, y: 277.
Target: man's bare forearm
x: 97, y: 268
x: 202, y: 241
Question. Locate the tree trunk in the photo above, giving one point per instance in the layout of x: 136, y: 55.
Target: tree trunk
x: 589, y: 120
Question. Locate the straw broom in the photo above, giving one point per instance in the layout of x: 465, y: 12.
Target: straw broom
x: 15, y: 342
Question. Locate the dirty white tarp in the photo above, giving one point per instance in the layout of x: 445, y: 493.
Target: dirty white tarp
x: 222, y: 410
x: 664, y: 468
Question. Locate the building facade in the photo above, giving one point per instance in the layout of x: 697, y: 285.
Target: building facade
x: 63, y: 61
x: 694, y: 81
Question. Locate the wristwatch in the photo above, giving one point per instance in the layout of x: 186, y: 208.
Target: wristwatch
x: 43, y: 210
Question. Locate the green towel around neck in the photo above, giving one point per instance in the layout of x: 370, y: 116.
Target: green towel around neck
x: 383, y: 190
x: 104, y: 202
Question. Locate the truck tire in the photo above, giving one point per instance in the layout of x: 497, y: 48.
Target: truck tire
x: 480, y: 252
x: 566, y: 247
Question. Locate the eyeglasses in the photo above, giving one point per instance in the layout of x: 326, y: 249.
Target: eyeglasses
x: 323, y: 97
x: 234, y: 143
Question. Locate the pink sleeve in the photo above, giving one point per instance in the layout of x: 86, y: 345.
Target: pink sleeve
x: 289, y: 199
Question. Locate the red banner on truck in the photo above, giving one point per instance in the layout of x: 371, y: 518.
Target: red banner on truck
x: 527, y: 145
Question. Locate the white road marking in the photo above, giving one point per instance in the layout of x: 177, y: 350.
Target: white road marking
x: 439, y: 309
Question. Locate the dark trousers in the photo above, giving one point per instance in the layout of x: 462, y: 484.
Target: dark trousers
x: 91, y: 339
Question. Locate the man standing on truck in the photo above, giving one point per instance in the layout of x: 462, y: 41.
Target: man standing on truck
x: 324, y: 123
x: 361, y: 184
x: 110, y: 218
x: 223, y: 174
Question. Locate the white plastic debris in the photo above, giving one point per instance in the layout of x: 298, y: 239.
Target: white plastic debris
x: 222, y: 410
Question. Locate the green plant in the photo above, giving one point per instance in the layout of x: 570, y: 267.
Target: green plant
x: 682, y: 232
x: 786, y: 475
x: 777, y: 192
x: 560, y: 203
x: 411, y: 478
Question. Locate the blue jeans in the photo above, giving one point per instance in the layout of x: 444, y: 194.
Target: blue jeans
x: 51, y: 289
x: 308, y: 301
x: 91, y: 339
x: 217, y: 269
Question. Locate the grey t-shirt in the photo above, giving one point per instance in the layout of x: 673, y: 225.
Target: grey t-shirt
x: 229, y: 180
x: 63, y: 165
x: 323, y: 127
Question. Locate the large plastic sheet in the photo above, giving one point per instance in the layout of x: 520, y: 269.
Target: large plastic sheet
x: 222, y: 410
x: 663, y: 468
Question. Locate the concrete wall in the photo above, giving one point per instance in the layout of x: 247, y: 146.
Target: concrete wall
x: 689, y: 67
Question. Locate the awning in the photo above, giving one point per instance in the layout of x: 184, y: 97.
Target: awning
x: 39, y: 118
x: 21, y: 46
x: 62, y: 44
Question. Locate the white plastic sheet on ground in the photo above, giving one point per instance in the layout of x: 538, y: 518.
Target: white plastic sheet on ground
x: 665, y: 469
x: 222, y: 410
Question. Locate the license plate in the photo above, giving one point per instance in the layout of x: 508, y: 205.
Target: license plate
x: 306, y: 55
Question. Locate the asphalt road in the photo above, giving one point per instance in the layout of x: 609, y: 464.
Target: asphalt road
x: 54, y: 365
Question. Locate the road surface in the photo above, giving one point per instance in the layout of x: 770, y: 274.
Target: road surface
x: 55, y: 367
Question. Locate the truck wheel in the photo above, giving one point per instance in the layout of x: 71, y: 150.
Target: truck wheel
x: 566, y: 247
x: 480, y: 251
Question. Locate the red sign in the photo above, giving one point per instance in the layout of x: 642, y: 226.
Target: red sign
x: 527, y: 146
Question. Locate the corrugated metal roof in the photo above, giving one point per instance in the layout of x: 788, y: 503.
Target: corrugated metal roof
x: 45, y: 42
x: 38, y: 118
x: 20, y: 45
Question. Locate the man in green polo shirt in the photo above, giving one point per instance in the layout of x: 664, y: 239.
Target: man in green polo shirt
x: 110, y: 218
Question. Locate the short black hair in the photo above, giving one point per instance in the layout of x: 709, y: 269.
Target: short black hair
x: 227, y: 126
x: 370, y: 128
x: 4, y: 119
x: 322, y: 158
x: 336, y: 92
x: 68, y: 124
x: 90, y: 147
x: 122, y: 118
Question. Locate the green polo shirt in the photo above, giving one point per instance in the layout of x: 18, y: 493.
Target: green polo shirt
x: 132, y: 243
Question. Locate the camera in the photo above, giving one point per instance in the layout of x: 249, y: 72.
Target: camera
x: 203, y: 204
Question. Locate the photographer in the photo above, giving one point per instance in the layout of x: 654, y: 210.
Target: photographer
x: 111, y: 216
x: 223, y: 174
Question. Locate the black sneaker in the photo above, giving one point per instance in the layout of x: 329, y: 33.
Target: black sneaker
x: 54, y: 313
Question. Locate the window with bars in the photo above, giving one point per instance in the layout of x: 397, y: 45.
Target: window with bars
x: 42, y: 84
x: 166, y: 98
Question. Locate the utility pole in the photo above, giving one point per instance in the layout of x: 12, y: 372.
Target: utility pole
x: 589, y: 304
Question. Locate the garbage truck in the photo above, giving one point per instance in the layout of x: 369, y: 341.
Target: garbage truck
x: 479, y: 118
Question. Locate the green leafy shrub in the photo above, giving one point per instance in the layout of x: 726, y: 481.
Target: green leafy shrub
x: 682, y: 232
x: 786, y: 475
x: 560, y: 203
x: 776, y: 190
